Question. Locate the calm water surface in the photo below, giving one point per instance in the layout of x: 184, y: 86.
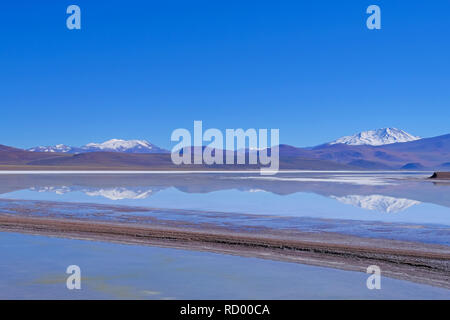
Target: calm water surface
x: 393, y: 197
x: 403, y: 206
x: 33, y: 267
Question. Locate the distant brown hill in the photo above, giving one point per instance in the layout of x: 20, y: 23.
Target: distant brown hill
x: 428, y: 153
x: 21, y: 159
x: 424, y: 154
x: 14, y: 156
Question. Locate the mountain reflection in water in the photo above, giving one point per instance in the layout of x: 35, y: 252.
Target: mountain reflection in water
x: 378, y: 192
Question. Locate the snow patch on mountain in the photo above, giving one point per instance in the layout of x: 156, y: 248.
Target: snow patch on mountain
x: 58, y: 148
x: 377, y: 137
x: 119, y: 145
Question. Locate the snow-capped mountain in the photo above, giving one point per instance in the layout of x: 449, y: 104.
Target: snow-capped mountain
x: 113, y: 145
x: 128, y: 146
x: 378, y: 202
x: 377, y: 137
x: 58, y: 148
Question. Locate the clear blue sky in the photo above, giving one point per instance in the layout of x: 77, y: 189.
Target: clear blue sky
x: 140, y: 69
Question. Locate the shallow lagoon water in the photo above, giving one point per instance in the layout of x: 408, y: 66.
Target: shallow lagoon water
x: 256, y: 202
x: 390, y: 197
x: 394, y: 205
x: 402, y: 206
x: 33, y: 267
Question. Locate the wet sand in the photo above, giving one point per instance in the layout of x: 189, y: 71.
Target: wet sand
x: 411, y: 261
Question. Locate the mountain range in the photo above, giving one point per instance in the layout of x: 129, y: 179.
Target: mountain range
x: 113, y: 145
x: 382, y: 149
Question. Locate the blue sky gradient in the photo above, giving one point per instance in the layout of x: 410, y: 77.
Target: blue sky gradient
x: 140, y: 69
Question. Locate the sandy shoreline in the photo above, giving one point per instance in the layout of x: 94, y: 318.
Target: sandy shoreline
x: 411, y: 261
